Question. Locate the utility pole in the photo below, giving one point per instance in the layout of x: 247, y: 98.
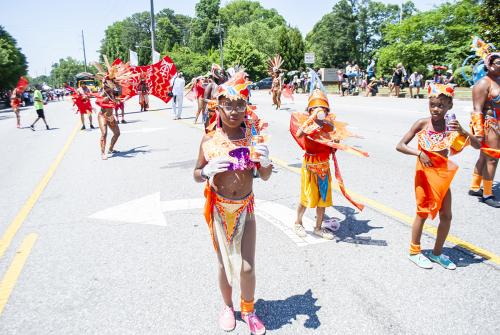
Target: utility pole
x: 220, y: 30
x: 401, y: 12
x: 152, y: 32
x: 84, y: 55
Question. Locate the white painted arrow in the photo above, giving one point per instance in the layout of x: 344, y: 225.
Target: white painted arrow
x: 149, y: 210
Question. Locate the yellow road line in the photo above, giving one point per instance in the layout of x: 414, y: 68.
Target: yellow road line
x: 9, y: 280
x: 405, y: 218
x: 28, y: 206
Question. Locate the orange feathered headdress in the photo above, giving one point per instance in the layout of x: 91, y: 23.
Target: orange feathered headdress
x: 435, y: 90
x: 235, y: 88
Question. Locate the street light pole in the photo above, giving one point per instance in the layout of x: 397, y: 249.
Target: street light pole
x: 152, y: 32
x: 84, y: 55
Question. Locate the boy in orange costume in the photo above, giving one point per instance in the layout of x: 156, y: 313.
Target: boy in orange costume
x: 434, y: 172
x: 226, y: 160
x: 319, y: 134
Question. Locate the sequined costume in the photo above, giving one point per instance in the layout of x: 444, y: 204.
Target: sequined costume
x: 432, y: 183
x: 226, y: 217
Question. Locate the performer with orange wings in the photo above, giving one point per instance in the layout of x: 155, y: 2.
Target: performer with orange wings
x: 227, y: 157
x: 116, y: 74
x: 319, y: 135
x: 15, y: 98
x: 437, y: 138
x: 275, y: 72
x: 485, y: 126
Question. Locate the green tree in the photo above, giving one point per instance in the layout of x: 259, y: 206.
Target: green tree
x: 171, y: 29
x: 333, y: 38
x: 291, y: 48
x: 191, y: 63
x: 65, y: 70
x: 242, y: 12
x: 439, y: 36
x: 203, y: 34
x: 489, y: 20
x: 12, y: 61
x: 242, y: 52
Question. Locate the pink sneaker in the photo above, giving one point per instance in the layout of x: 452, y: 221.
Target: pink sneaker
x: 227, y: 322
x: 255, y: 326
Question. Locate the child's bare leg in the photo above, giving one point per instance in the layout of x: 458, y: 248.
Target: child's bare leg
x: 300, y: 214
x: 416, y: 229
x: 320, y: 214
x: 444, y: 224
x: 18, y: 117
x: 225, y: 289
x: 247, y: 275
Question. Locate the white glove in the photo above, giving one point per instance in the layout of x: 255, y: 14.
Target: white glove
x: 263, y: 152
x: 215, y: 166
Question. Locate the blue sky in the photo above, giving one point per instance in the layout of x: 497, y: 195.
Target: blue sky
x: 49, y: 30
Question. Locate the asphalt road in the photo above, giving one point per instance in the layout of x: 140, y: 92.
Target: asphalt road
x: 122, y: 248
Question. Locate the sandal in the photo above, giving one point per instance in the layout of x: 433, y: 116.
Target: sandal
x: 332, y: 224
x: 299, y: 230
x: 323, y: 233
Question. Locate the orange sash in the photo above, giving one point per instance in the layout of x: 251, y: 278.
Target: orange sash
x: 432, y: 183
x: 495, y: 153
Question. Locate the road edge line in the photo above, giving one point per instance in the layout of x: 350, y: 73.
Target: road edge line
x: 23, y: 213
x: 10, y: 278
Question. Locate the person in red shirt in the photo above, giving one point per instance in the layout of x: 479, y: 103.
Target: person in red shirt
x: 199, y: 90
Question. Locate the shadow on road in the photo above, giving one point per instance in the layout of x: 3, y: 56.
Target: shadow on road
x: 459, y: 256
x: 131, y: 153
x: 278, y: 313
x: 351, y: 227
x: 189, y: 164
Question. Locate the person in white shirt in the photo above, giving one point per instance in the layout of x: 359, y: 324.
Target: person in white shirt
x: 415, y: 82
x: 178, y: 91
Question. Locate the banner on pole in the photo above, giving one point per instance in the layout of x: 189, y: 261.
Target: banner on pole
x: 134, y: 60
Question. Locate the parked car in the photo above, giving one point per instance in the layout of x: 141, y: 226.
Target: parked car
x: 262, y: 84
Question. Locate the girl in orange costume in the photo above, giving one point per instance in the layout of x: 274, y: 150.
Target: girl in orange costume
x: 434, y: 172
x: 226, y: 164
x: 485, y: 126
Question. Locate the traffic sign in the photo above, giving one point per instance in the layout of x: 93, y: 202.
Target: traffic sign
x: 309, y: 58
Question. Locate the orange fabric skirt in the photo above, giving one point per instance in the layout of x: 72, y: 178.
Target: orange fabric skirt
x: 432, y: 183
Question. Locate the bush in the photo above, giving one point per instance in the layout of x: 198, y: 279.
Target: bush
x: 459, y: 78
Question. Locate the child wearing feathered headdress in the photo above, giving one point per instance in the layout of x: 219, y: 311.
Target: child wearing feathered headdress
x: 439, y: 136
x: 227, y: 157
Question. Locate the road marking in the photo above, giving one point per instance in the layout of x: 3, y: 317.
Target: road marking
x: 149, y: 210
x: 30, y: 203
x: 10, y: 278
x: 488, y: 255
x: 404, y: 218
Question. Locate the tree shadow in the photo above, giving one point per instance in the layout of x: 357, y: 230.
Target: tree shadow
x: 131, y: 153
x: 460, y: 256
x: 278, y: 313
x: 351, y: 227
